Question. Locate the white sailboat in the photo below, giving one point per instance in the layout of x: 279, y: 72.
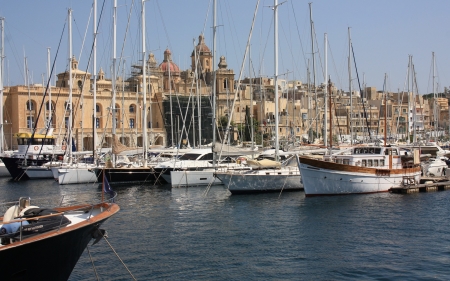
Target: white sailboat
x: 72, y: 173
x: 265, y: 179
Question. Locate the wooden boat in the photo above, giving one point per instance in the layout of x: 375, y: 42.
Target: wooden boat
x: 46, y: 243
x: 358, y: 170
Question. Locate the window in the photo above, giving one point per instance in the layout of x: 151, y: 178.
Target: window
x: 66, y: 122
x: 48, y: 105
x: 30, y: 105
x: 382, y: 162
x: 131, y: 123
x: 364, y: 163
x: 375, y: 163
x: 369, y: 163
x: 97, y: 108
x: 30, y: 122
x: 97, y: 122
x: 132, y: 109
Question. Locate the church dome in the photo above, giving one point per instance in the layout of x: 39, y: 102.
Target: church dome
x: 169, y: 64
x: 201, y: 47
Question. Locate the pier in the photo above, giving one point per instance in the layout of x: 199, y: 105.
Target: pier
x: 427, y: 184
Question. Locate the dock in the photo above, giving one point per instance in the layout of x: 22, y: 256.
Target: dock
x: 427, y: 184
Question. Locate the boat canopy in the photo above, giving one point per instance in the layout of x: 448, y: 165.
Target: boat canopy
x: 36, y: 136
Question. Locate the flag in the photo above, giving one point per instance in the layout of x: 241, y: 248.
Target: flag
x: 107, y: 188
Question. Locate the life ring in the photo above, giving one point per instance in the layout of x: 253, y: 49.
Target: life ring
x: 63, y: 147
x: 36, y: 148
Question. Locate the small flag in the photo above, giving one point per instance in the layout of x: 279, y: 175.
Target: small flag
x: 107, y: 188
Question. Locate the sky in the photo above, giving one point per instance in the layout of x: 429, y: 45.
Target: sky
x: 384, y: 34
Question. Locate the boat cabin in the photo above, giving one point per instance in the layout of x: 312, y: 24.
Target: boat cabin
x: 371, y: 157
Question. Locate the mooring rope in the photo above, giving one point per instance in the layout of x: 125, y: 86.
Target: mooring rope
x: 92, y: 261
x: 119, y: 258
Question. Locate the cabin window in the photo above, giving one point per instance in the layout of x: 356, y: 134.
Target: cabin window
x: 30, y: 122
x: 375, y: 163
x: 339, y: 161
x: 364, y: 163
x: 345, y: 161
x: 382, y: 162
x: 208, y: 156
x: 369, y: 163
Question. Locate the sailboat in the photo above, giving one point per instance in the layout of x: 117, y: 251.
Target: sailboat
x: 3, y: 171
x: 267, y: 175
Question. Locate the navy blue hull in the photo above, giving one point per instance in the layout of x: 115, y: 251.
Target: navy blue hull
x: 52, y: 258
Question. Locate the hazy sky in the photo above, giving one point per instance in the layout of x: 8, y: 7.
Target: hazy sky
x: 383, y: 32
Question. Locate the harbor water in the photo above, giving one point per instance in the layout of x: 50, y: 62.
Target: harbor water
x: 164, y: 233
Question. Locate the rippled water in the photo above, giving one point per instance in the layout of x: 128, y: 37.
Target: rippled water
x: 164, y: 233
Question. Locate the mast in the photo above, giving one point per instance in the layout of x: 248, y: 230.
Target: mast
x: 325, y: 117
x: 69, y: 124
x: 2, y: 55
x: 409, y: 101
x: 49, y: 78
x: 435, y: 110
x: 214, y: 98
x: 275, y: 19
x: 170, y: 97
x: 314, y: 68
x: 144, y: 87
x: 350, y: 85
x: 94, y: 85
x: 114, y: 79
x: 385, y: 111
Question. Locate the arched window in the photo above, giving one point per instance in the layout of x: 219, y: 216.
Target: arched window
x: 30, y: 105
x: 49, y: 105
x: 132, y: 108
x: 67, y: 105
x: 97, y: 108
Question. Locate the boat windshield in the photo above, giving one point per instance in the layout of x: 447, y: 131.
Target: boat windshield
x: 190, y: 156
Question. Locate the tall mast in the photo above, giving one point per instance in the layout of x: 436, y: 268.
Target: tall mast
x: 314, y: 68
x: 170, y: 97
x: 214, y: 98
x: 350, y: 84
x: 49, y: 78
x: 94, y: 84
x: 144, y: 87
x: 275, y: 19
x: 69, y: 124
x: 435, y: 109
x: 114, y: 79
x: 325, y: 117
x: 385, y: 111
x: 409, y: 101
x: 2, y: 55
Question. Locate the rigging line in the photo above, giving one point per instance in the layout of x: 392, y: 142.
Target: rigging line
x: 299, y: 37
x: 14, y: 51
x: 46, y: 90
x: 86, y: 72
x: 360, y: 90
x: 84, y: 38
x: 240, y: 74
x: 233, y: 30
x: 334, y: 64
x: 124, y: 39
x: 164, y: 25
